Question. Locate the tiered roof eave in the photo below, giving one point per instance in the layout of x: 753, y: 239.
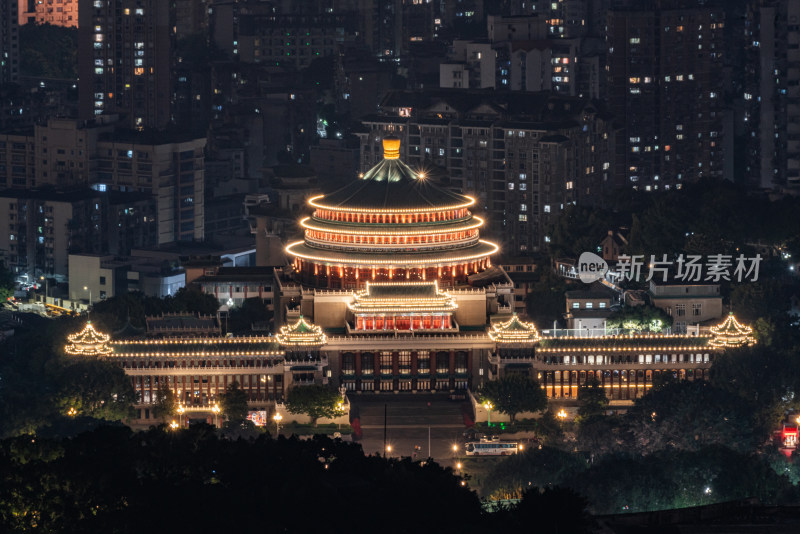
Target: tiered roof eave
x: 513, y: 332
x: 301, y: 334
x: 731, y: 334
x: 88, y: 342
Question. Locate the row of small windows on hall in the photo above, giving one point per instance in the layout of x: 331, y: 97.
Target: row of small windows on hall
x: 587, y: 305
x: 403, y: 363
x: 641, y: 358
x: 406, y: 385
x: 680, y: 310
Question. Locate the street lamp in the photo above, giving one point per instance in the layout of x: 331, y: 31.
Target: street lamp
x: 562, y: 414
x: 339, y: 412
x: 173, y: 425
x: 85, y: 288
x: 72, y: 412
x: 180, y: 411
x: 46, y: 287
x: 488, y: 406
x: 216, y: 411
x: 277, y: 418
x: 388, y: 450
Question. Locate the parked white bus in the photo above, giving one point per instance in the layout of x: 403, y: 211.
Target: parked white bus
x: 491, y: 448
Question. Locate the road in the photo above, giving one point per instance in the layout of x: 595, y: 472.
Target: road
x: 409, y: 420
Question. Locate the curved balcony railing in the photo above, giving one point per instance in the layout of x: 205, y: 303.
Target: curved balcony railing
x: 393, y: 249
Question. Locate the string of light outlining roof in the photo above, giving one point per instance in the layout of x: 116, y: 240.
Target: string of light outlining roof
x: 301, y: 333
x: 514, y: 331
x: 731, y: 333
x: 392, y: 224
x: 88, y: 342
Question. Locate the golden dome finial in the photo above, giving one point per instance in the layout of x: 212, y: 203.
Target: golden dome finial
x: 391, y: 148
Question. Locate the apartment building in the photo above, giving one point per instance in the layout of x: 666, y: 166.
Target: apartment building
x: 65, y: 153
x: 54, y: 12
x: 9, y: 42
x: 125, y: 56
x: 39, y: 228
x: 555, y: 152
x: 687, y: 303
x: 665, y: 82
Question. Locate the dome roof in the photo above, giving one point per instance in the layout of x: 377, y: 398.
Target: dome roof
x: 391, y: 184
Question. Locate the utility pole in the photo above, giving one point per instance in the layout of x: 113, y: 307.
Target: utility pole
x: 384, y: 429
x: 429, y: 442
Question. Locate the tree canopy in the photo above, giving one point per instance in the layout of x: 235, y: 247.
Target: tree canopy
x: 113, y: 313
x: 514, y: 393
x: 48, y: 51
x: 6, y: 283
x: 690, y: 415
x: 592, y: 399
x: 40, y: 383
x: 233, y: 404
x: 639, y: 319
x: 315, y: 401
x: 116, y: 481
x: 166, y: 405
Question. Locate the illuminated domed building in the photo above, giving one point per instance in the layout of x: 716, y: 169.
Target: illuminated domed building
x: 392, y: 224
x: 392, y: 289
x: 393, y: 267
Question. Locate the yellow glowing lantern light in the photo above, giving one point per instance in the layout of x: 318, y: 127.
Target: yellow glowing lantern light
x: 391, y: 148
